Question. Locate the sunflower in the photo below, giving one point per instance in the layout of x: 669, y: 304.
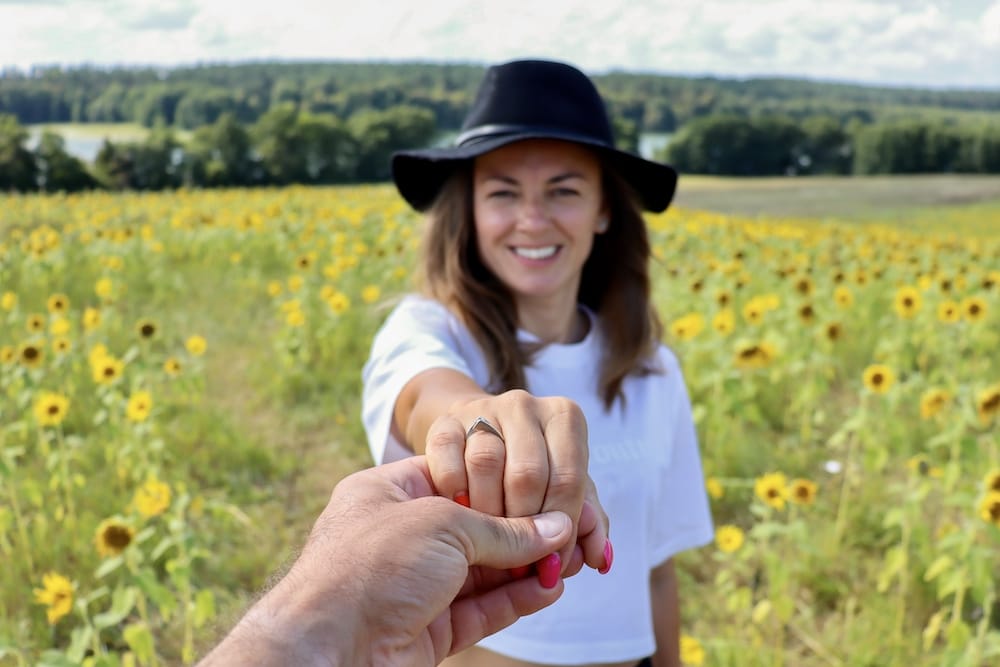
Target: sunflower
x: 992, y: 480
x: 31, y: 355
x: 989, y: 508
x: 692, y: 652
x: 772, y: 489
x: 172, y: 367
x: 7, y: 354
x: 802, y: 492
x: 303, y: 262
x: 988, y: 403
x: 843, y: 296
x: 714, y: 488
x: 295, y: 283
x: 687, y: 327
x: 8, y: 300
x: 908, y: 301
x: 754, y: 355
x: 35, y: 323
x: 146, y: 329
x: 57, y: 594
x: 58, y: 303
x: 921, y: 465
x: 91, y: 319
x: 295, y: 318
x: 728, y: 538
x: 806, y: 313
x: 59, y: 326
x: 804, y: 286
x: 112, y: 536
x: 104, y: 288
x: 933, y: 401
x: 105, y: 369
x: 275, y: 288
x: 879, y: 378
x: 723, y: 298
x: 371, y: 294
x: 948, y: 312
x: 753, y: 311
x: 140, y: 404
x: 724, y: 322
x: 339, y: 303
x: 152, y: 498
x: 974, y: 308
x: 196, y: 345
x: 50, y: 408
x: 833, y: 331
x: 61, y: 345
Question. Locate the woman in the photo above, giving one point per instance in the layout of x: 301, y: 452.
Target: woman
x: 532, y: 357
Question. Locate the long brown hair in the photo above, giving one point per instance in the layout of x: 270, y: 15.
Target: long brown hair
x: 615, y: 285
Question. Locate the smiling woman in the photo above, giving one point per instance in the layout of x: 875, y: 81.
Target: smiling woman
x: 535, y: 316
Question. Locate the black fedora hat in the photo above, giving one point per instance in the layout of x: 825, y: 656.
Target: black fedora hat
x: 531, y: 99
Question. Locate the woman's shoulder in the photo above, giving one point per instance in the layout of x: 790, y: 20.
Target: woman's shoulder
x: 420, y: 308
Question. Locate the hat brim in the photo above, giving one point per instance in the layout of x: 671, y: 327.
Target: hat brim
x: 419, y: 175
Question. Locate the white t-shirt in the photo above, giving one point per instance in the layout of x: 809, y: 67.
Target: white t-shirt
x: 643, y: 459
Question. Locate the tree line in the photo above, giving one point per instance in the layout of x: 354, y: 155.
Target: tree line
x: 288, y: 146
x: 731, y: 145
x: 284, y: 146
x: 192, y: 97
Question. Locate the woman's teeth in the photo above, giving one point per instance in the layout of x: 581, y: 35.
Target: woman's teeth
x: 537, y: 253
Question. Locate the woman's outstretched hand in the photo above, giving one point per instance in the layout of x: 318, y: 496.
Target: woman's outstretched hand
x: 535, y: 462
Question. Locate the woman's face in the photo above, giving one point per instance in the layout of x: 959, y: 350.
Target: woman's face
x: 537, y: 204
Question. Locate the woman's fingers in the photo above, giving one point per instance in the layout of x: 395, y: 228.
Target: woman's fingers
x: 525, y: 478
x: 565, y: 431
x: 445, y: 451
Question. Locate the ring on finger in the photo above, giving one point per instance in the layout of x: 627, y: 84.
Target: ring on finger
x: 481, y: 424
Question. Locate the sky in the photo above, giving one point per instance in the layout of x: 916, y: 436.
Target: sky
x: 918, y: 43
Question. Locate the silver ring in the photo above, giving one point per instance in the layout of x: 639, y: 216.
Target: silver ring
x: 482, y: 424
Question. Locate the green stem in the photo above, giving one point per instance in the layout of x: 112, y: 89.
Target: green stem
x: 903, y: 589
x: 984, y: 624
x: 67, y: 483
x: 22, y: 530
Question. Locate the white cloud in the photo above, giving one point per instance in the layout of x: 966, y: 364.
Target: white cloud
x: 918, y: 42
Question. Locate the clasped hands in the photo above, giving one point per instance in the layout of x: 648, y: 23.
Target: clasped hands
x: 396, y: 572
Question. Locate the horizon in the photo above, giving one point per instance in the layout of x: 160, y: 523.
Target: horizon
x: 916, y: 44
x: 138, y: 66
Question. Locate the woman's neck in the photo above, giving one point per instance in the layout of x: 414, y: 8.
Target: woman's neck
x: 561, y: 324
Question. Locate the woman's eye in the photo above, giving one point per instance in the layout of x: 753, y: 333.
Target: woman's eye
x: 500, y: 194
x: 564, y: 192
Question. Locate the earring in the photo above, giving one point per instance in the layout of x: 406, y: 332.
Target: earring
x: 602, y: 225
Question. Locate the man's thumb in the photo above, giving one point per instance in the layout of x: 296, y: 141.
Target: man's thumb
x: 501, y: 542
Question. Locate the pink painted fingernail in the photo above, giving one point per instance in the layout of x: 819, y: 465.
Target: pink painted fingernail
x: 549, y: 569
x: 609, y: 557
x: 520, y: 572
x: 462, y: 498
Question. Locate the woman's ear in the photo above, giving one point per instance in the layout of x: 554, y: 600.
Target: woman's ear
x: 602, y: 224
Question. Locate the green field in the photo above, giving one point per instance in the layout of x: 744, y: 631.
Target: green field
x: 780, y: 296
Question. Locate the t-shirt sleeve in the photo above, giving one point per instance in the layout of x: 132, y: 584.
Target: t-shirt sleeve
x: 418, y: 335
x: 682, y: 519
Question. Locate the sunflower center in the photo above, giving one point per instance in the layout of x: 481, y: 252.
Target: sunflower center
x: 117, y: 537
x: 30, y: 353
x: 877, y: 379
x: 994, y: 511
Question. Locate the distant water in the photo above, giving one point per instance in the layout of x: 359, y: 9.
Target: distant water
x: 86, y: 145
x: 83, y: 144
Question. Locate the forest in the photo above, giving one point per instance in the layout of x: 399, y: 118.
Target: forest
x: 273, y: 123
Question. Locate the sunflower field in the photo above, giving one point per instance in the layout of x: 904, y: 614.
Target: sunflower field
x: 179, y: 392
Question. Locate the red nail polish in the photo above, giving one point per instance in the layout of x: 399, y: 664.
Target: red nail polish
x: 462, y: 498
x: 609, y: 557
x: 520, y: 572
x: 549, y: 569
